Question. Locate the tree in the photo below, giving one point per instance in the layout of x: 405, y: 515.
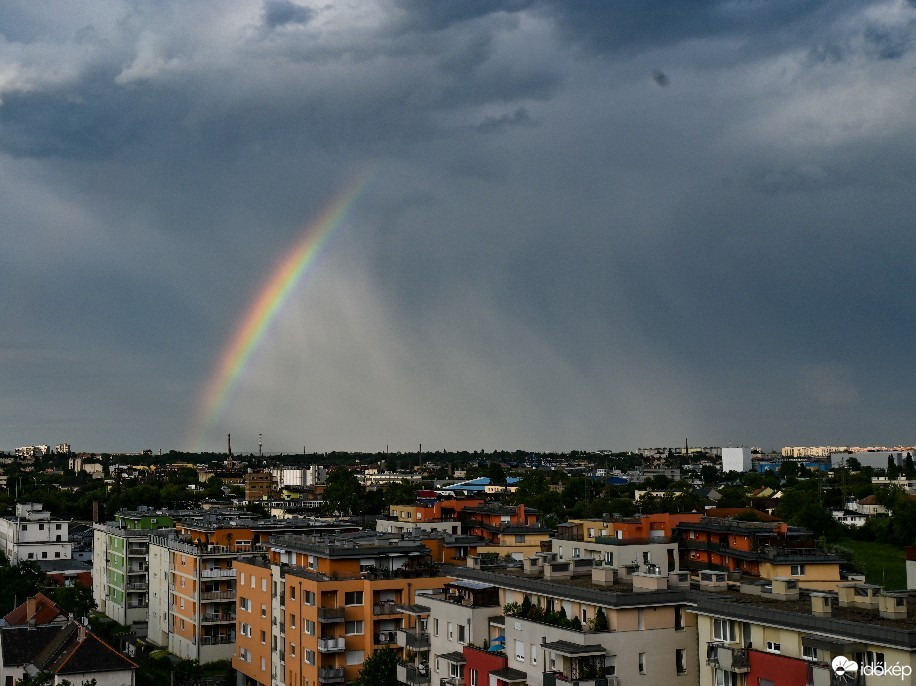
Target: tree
x: 909, y: 470
x: 893, y: 471
x: 497, y: 474
x: 343, y: 493
x: 401, y: 493
x: 601, y: 623
x: 379, y: 669
x: 76, y: 600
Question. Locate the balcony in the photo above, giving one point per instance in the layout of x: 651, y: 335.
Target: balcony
x: 727, y: 658
x: 415, y: 640
x: 217, y: 595
x: 332, y: 645
x: 217, y: 640
x: 215, y: 618
x: 413, y: 676
x: 386, y: 637
x: 331, y: 675
x: 386, y: 607
x: 329, y: 615
x: 137, y: 586
x: 217, y: 573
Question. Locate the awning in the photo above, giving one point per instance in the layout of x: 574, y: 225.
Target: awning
x: 574, y: 649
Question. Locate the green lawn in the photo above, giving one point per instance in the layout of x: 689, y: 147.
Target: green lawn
x: 883, y: 564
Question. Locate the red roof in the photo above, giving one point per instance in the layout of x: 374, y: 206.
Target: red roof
x: 39, y: 607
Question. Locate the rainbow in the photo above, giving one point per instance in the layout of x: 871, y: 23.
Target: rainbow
x: 267, y: 305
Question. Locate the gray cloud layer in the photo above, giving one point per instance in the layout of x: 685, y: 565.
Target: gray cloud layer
x: 558, y: 249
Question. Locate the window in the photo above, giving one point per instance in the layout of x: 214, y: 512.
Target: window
x: 435, y: 626
x: 609, y: 558
x: 292, y: 621
x: 355, y: 657
x: 242, y: 579
x: 244, y: 655
x: 292, y: 593
x: 610, y: 665
x: 263, y: 610
x: 263, y: 665
x: 773, y: 647
x: 263, y: 637
x: 44, y: 554
x: 253, y: 580
x: 577, y: 552
x: 309, y: 657
x: 462, y: 634
x: 809, y: 653
x: 454, y: 669
x: 57, y: 526
x: 245, y: 629
x: 519, y: 651
x: 642, y: 663
x: 797, y: 570
x: 292, y: 649
x: 308, y: 598
x: 640, y: 622
x: 724, y: 678
x: 57, y: 554
x: 309, y: 627
x: 680, y: 660
x: 519, y: 538
x: 584, y: 615
x: 353, y: 598
x: 473, y: 677
x: 264, y: 584
x: 534, y: 654
x: 353, y: 628
x: 678, y: 619
x: 646, y: 557
x: 725, y: 630
x: 245, y: 604
x: 41, y: 527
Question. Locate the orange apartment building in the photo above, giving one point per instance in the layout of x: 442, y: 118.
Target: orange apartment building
x: 625, y: 528
x: 762, y: 549
x: 434, y: 515
x: 507, y: 530
x: 319, y: 606
x: 192, y: 594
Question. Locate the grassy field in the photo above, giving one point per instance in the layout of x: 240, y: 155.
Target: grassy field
x: 883, y: 564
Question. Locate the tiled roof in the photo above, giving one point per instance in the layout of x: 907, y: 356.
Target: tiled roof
x: 21, y: 644
x: 45, y: 612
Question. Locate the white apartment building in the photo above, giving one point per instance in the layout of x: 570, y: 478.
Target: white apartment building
x: 31, y: 534
x: 299, y: 476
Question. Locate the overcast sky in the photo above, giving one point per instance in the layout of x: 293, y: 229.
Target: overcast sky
x: 589, y: 225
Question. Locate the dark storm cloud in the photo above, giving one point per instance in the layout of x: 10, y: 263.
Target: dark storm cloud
x: 282, y: 12
x: 552, y: 252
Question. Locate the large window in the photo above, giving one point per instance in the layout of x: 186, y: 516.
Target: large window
x: 519, y: 651
x: 725, y: 630
x: 353, y: 598
x: 680, y: 660
x: 724, y: 678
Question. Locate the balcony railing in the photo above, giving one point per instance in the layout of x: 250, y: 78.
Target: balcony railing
x: 331, y: 675
x: 137, y: 586
x: 218, y: 573
x: 413, y: 676
x: 219, y: 617
x: 218, y: 595
x: 386, y: 637
x: 386, y: 607
x: 331, y: 645
x: 217, y: 640
x: 415, y: 640
x: 330, y: 614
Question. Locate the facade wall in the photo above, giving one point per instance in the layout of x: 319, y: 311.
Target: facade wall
x: 124, y: 677
x: 254, y: 633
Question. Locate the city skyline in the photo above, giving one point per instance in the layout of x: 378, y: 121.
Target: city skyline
x: 574, y: 227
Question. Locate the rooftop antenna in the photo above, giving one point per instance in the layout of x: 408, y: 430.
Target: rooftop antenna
x: 260, y: 453
x: 229, y: 463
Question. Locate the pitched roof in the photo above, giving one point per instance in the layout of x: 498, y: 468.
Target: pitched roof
x: 77, y: 650
x: 20, y: 644
x: 45, y: 611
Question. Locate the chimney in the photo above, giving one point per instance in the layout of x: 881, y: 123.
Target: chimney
x: 31, y: 608
x: 821, y: 605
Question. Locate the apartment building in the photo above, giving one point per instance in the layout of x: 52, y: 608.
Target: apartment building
x: 120, y: 566
x: 318, y: 606
x: 508, y: 530
x: 193, y: 592
x: 762, y: 549
x: 31, y: 534
x: 432, y: 515
x: 520, y: 629
x: 777, y: 634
